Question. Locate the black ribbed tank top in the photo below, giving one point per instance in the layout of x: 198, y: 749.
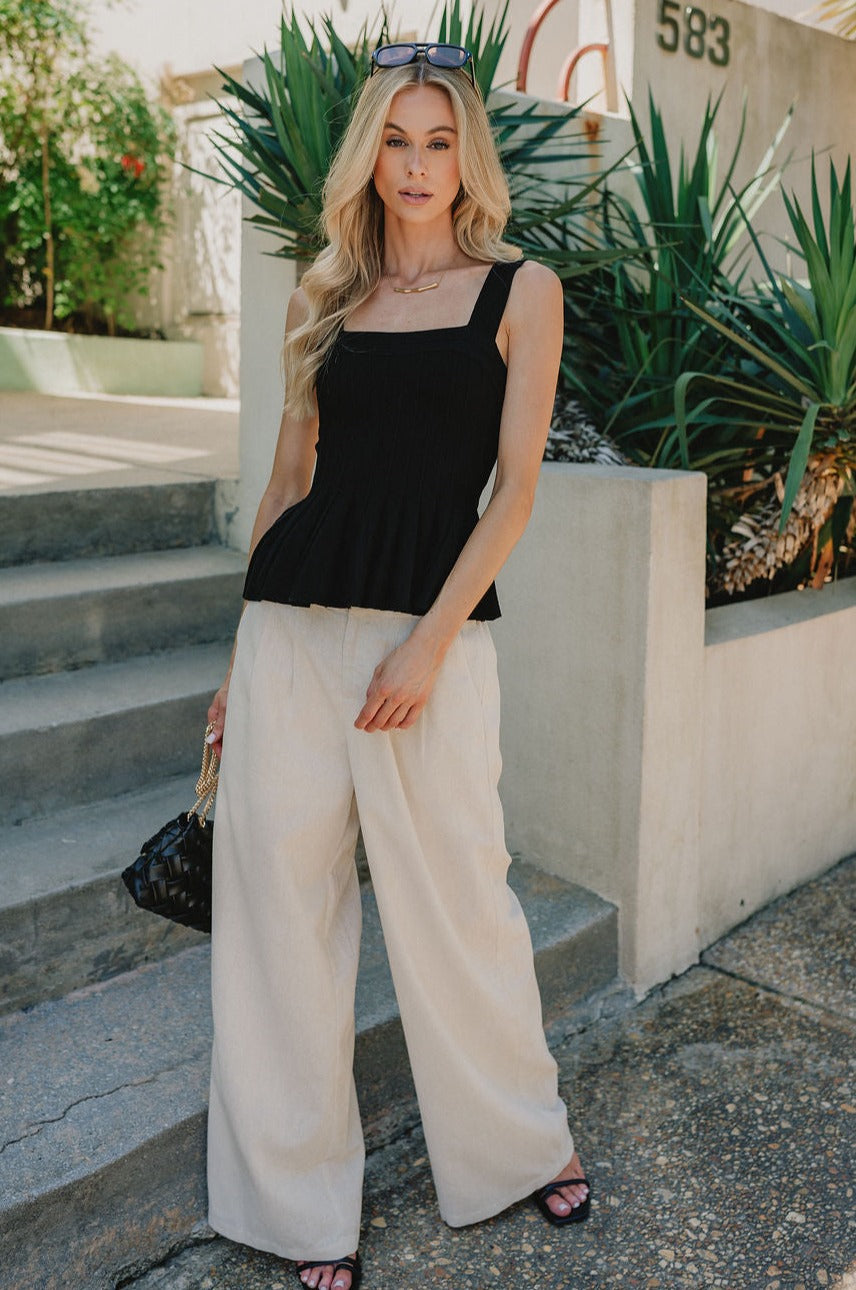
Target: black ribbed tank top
x: 408, y: 434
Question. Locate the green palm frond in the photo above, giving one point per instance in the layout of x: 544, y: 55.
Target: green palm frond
x: 285, y: 134
x: 798, y: 339
x: 633, y: 334
x: 486, y: 45
x: 286, y: 131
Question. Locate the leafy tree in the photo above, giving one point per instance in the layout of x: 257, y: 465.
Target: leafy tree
x: 82, y: 154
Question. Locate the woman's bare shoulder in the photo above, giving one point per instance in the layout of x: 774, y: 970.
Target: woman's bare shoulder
x: 535, y: 301
x: 298, y: 309
x: 535, y: 283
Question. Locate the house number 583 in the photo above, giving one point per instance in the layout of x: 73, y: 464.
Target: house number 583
x: 691, y: 28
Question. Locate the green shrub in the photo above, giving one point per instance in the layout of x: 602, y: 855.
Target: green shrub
x: 83, y: 154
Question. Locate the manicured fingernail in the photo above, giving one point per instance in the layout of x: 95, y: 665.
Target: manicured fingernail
x: 212, y: 738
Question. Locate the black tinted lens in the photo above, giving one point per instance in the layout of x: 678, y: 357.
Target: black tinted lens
x: 393, y: 55
x: 446, y: 55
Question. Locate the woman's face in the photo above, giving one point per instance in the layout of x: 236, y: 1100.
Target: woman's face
x: 416, y: 173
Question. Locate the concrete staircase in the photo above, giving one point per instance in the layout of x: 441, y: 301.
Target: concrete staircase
x: 116, y: 615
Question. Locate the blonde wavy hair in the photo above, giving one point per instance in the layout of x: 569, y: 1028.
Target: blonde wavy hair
x: 349, y: 268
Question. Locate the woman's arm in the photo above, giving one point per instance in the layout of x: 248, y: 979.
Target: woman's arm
x: 290, y: 480
x: 534, y: 322
x: 294, y: 458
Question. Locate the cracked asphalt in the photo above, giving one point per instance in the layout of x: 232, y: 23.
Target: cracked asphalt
x: 715, y: 1120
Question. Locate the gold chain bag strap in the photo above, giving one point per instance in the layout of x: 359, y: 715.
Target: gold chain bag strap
x: 206, y: 784
x: 172, y: 874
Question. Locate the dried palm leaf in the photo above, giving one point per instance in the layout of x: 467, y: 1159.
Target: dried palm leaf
x: 758, y: 549
x: 573, y: 437
x: 841, y: 13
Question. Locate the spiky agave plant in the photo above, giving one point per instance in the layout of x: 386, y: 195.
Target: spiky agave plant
x: 631, y: 331
x: 285, y: 134
x: 795, y: 395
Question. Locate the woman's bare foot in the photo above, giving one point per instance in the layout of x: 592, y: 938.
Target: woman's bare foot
x: 561, y: 1202
x: 321, y: 1277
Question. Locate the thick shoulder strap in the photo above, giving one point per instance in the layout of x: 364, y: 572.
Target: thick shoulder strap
x: 493, y: 296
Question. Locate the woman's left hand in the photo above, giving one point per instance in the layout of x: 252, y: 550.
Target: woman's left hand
x: 400, y: 686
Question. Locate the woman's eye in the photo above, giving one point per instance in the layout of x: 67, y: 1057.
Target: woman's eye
x: 439, y: 145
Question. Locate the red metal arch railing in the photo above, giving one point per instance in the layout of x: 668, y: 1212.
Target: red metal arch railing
x: 573, y: 59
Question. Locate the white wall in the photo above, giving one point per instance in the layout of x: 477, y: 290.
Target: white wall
x: 569, y: 25
x: 192, y: 35
x: 266, y: 284
x: 779, y: 776
x: 600, y: 654
x: 775, y: 62
x: 689, y: 766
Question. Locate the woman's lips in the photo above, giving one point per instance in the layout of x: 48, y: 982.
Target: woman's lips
x: 414, y: 197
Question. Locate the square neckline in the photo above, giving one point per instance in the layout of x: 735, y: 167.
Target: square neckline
x: 425, y: 331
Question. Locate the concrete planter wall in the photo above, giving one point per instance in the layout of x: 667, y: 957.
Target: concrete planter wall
x: 59, y: 363
x: 688, y: 765
x: 778, y: 792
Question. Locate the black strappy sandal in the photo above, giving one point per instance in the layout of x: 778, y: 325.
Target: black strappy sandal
x: 574, y: 1215
x: 354, y: 1266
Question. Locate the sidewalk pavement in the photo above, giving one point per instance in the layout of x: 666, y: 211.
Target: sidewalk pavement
x: 50, y: 443
x: 715, y: 1120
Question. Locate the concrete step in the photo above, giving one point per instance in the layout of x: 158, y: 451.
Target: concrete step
x: 74, y: 737
x: 102, y: 1155
x: 73, y: 523
x: 66, y: 920
x: 77, y: 612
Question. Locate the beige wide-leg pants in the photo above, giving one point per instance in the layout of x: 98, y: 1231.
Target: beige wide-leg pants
x: 285, y: 1145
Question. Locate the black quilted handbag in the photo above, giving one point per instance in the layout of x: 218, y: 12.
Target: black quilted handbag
x: 172, y: 874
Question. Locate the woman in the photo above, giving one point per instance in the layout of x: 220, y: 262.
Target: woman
x: 420, y: 350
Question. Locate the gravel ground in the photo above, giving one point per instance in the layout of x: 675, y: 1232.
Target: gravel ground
x: 715, y: 1120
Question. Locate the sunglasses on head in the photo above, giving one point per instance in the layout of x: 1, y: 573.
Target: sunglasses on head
x: 453, y: 57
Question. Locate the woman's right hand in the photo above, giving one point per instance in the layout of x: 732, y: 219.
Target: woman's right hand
x: 217, y: 718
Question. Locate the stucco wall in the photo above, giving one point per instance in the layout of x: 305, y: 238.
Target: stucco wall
x: 689, y: 781
x: 773, y: 61
x: 191, y: 35
x: 600, y: 654
x: 266, y: 284
x: 779, y: 776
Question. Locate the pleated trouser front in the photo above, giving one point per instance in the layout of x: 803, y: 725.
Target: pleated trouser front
x: 285, y: 1143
